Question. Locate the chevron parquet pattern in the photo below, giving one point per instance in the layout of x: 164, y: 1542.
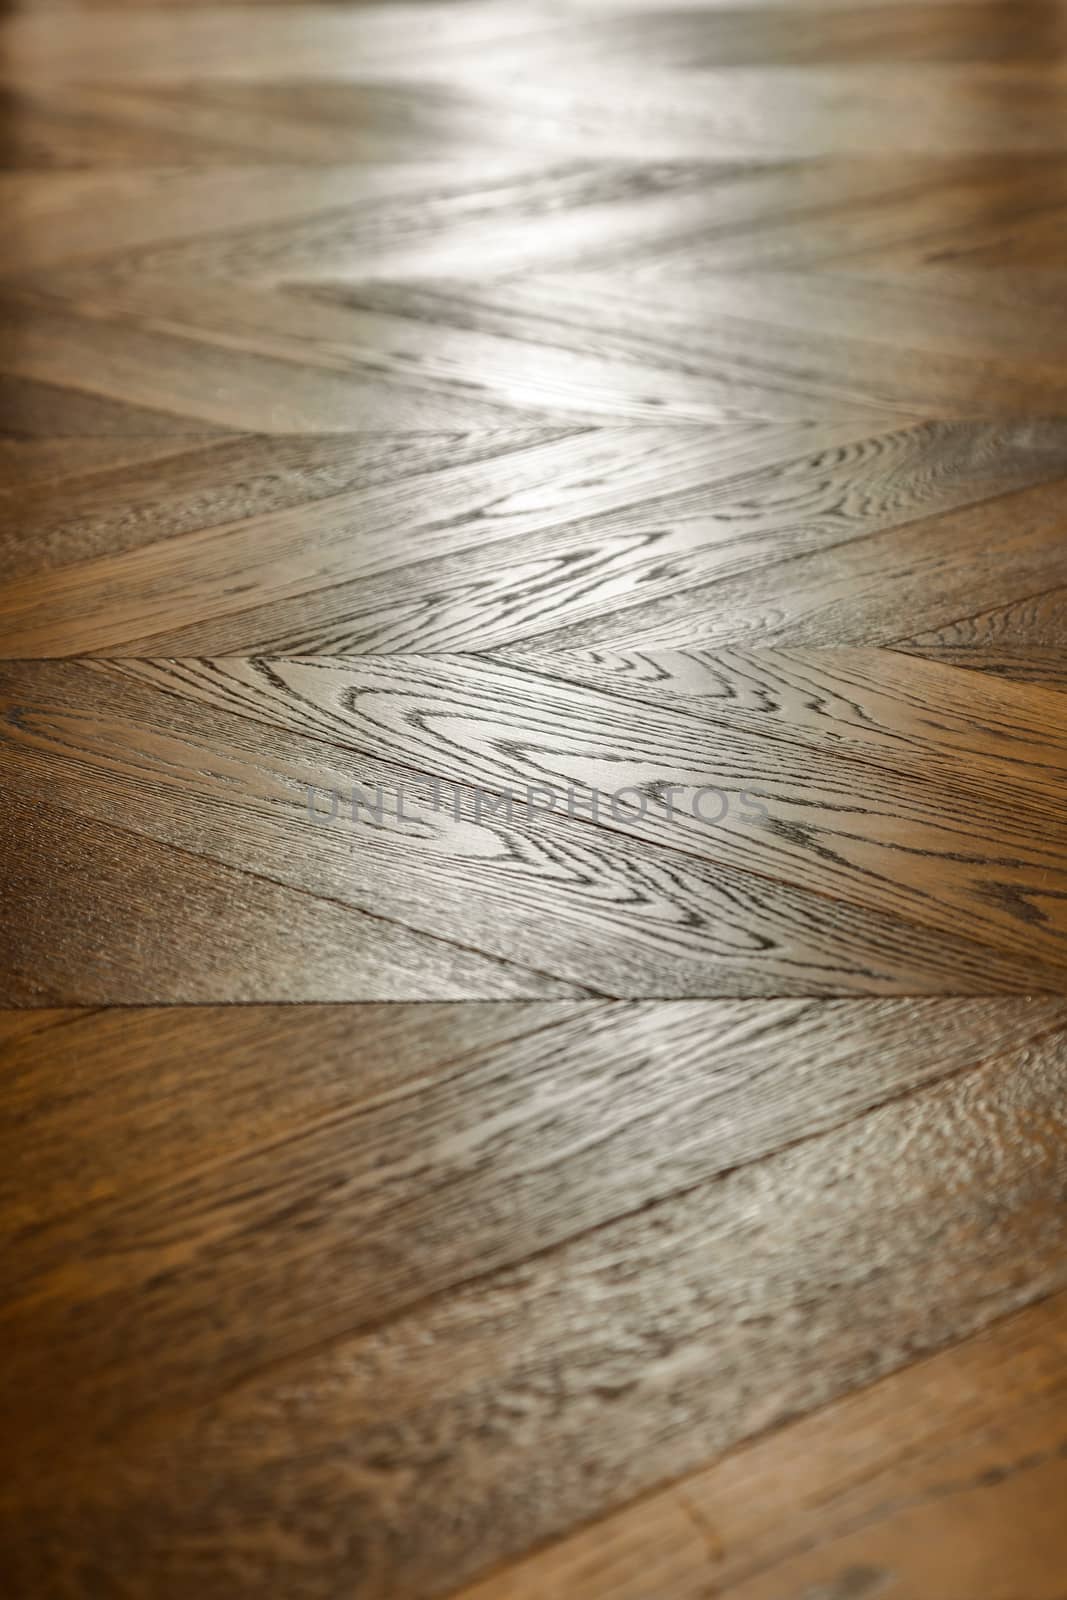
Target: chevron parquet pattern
x: 533, y: 761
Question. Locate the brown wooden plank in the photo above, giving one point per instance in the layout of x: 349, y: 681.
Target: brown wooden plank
x: 590, y: 573
x: 31, y: 463
x: 581, y: 1114
x: 79, y: 514
x: 862, y: 592
x: 887, y: 211
x: 897, y: 898
x: 772, y: 113
x: 216, y: 569
x: 1026, y: 639
x: 471, y: 218
x: 727, y: 214
x: 916, y: 716
x: 31, y: 411
x: 947, y: 839
x: 108, y: 213
x: 198, y: 381
x: 94, y: 915
x: 836, y: 344
x: 546, y: 38
x: 54, y: 127
x: 205, y: 1102
x: 946, y: 1479
x: 589, y: 1373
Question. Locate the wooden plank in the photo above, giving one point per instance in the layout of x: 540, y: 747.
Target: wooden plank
x: 214, y: 570
x: 72, y: 520
x: 928, y: 315
x: 460, y: 39
x: 916, y: 716
x: 196, y: 381
x: 896, y: 897
x: 546, y: 378
x: 862, y: 592
x: 765, y: 341
x: 19, y: 1025
x: 31, y: 463
x: 31, y: 411
x: 629, y: 344
x: 591, y: 1372
x: 230, y: 1084
x: 1026, y: 640
x: 886, y: 211
x: 98, y: 916
x: 776, y: 113
x: 108, y: 213
x: 931, y: 840
x: 475, y: 218
x: 728, y: 214
x: 53, y: 127
x: 946, y: 1479
x: 542, y: 1121
x: 720, y: 508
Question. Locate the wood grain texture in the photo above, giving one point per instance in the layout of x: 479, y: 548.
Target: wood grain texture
x: 574, y: 1379
x: 585, y: 1197
x: 214, y: 571
x: 827, y: 825
x: 495, y: 580
x: 910, y: 716
x: 113, y: 507
x: 942, y: 1479
x: 847, y: 880
x: 98, y: 916
x: 599, y: 1111
x: 863, y: 591
x: 1026, y: 640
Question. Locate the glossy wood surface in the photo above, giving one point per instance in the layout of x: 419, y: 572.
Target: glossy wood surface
x: 533, y: 1186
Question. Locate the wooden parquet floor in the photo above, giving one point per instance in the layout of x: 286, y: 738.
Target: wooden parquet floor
x: 533, y: 800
